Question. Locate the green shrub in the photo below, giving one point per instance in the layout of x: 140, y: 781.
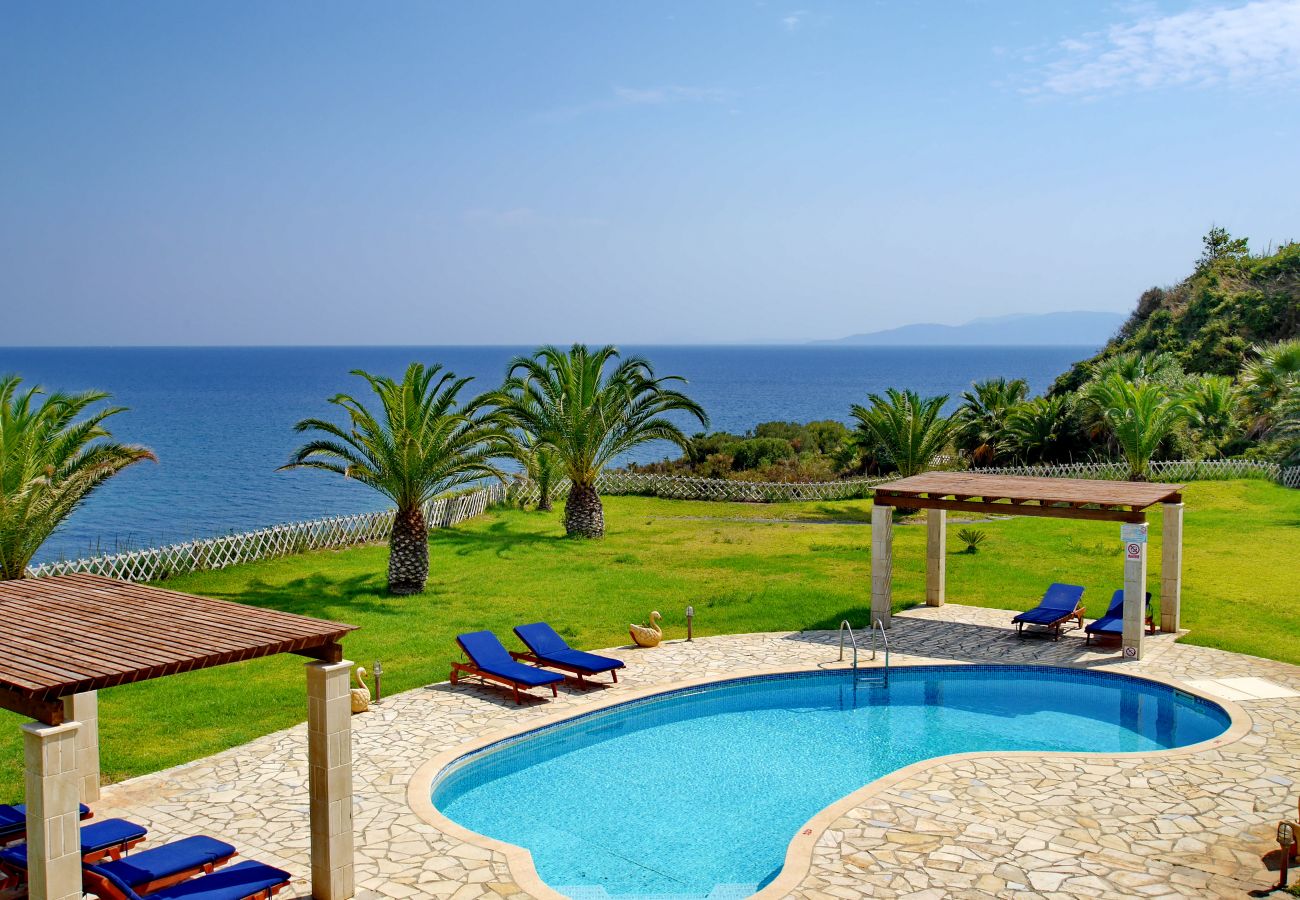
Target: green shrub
x: 756, y: 452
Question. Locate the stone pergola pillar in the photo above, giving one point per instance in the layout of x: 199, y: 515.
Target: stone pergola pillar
x: 882, y: 565
x: 53, y: 813
x: 329, y: 779
x: 1171, y: 567
x: 84, y: 709
x: 936, y: 539
x: 1135, y: 596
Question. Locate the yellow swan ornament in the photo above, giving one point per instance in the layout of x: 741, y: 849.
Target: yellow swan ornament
x: 647, y: 635
x: 361, y: 695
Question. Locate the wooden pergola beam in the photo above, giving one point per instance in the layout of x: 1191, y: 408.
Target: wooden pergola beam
x: 1026, y: 508
x: 50, y: 712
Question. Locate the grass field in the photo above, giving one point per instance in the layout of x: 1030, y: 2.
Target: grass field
x: 745, y: 567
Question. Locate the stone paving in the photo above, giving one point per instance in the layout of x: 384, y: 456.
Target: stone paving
x: 1184, y: 824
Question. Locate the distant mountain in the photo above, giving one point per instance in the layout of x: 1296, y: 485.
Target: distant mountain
x: 1059, y: 328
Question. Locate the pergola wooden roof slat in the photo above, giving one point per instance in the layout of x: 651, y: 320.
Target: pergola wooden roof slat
x: 64, y: 638
x: 76, y: 633
x: 1067, y: 498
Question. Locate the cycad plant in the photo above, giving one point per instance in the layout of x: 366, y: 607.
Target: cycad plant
x: 982, y: 417
x: 904, y: 429
x: 590, y: 407
x: 1039, y: 430
x: 1213, y: 411
x: 50, y: 463
x: 1268, y: 379
x: 415, y: 442
x: 1138, y: 416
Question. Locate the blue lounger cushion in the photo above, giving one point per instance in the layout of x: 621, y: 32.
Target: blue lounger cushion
x: 95, y: 838
x: 13, y: 819
x: 548, y: 646
x: 490, y: 655
x: 235, y: 882
x: 1058, y: 602
x: 1113, y: 621
x: 168, y: 860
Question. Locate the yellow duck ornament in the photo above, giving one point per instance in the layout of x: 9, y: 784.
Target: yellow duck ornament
x: 647, y: 635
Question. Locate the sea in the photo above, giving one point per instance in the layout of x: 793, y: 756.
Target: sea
x: 220, y: 419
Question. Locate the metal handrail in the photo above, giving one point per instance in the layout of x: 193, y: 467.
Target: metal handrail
x: 843, y: 625
x: 880, y: 626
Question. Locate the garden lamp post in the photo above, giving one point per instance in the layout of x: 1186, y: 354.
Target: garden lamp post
x: 379, y: 674
x: 690, y: 620
x: 1285, y: 840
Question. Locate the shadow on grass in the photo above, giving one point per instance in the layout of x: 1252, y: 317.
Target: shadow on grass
x: 498, y: 539
x: 309, y: 595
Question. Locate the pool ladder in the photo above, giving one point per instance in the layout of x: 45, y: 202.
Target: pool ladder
x: 880, y: 676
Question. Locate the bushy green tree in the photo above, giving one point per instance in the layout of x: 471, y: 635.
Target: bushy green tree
x: 760, y: 451
x: 51, y: 462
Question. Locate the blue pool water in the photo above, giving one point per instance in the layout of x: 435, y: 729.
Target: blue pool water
x: 699, y: 792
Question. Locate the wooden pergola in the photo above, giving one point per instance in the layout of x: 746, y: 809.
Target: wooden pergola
x: 66, y: 637
x: 1125, y: 502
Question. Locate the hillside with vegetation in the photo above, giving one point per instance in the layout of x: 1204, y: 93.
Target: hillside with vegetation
x: 1209, y: 322
x: 1206, y: 369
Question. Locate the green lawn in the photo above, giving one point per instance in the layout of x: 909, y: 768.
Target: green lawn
x: 745, y: 567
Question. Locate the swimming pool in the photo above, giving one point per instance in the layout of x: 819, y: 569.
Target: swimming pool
x: 697, y: 793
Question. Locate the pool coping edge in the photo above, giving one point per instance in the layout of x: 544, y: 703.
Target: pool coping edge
x: 799, y: 853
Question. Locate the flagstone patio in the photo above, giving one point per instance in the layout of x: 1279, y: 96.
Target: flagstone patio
x: 1193, y: 824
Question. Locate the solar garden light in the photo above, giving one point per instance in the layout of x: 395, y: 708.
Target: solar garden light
x: 1285, y: 840
x: 379, y: 673
x: 690, y: 620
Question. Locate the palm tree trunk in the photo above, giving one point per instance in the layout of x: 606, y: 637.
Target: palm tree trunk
x: 584, y: 516
x: 408, y: 553
x: 544, y: 501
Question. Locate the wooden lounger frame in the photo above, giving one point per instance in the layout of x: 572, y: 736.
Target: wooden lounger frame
x: 13, y: 877
x: 564, y: 667
x: 104, y: 889
x: 1151, y: 629
x: 469, y: 669
x: 1054, y: 627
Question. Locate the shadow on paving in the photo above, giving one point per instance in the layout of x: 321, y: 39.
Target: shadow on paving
x: 967, y: 642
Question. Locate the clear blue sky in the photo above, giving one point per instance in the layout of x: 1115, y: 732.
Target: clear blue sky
x: 479, y: 172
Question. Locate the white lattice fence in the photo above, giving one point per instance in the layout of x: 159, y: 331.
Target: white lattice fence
x: 1164, y: 470
x: 332, y: 533
x: 681, y: 487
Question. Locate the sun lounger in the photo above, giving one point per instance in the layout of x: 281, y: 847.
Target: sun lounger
x: 1112, y: 623
x: 13, y: 821
x: 1060, y: 604
x: 547, y: 648
x: 489, y: 660
x: 242, y: 881
x: 108, y: 839
x: 146, y: 871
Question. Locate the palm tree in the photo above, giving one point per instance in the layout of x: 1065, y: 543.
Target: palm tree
x: 1212, y: 405
x: 904, y: 429
x: 542, y: 467
x: 418, y: 443
x: 50, y: 462
x: 1139, y: 416
x: 1268, y: 378
x: 1038, y: 431
x: 981, y: 419
x: 1286, y: 425
x: 590, y: 417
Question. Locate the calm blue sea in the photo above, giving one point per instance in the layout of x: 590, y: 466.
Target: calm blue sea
x: 221, y: 419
